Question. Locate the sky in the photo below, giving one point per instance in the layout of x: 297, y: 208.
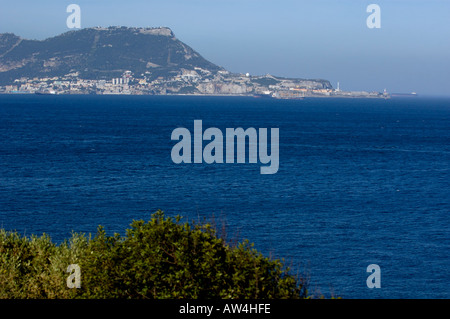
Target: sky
x: 326, y: 39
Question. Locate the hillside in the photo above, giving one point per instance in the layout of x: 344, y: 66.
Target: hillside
x: 98, y: 53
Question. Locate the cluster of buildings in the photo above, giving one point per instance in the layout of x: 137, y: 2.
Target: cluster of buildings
x: 194, y: 82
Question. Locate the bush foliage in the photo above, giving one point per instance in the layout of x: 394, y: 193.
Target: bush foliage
x: 161, y: 258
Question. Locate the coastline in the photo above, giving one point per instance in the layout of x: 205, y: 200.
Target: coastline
x: 348, y: 95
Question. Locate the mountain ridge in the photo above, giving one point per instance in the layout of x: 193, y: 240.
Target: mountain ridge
x: 98, y: 53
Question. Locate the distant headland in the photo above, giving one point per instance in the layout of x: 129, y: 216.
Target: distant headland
x: 137, y: 61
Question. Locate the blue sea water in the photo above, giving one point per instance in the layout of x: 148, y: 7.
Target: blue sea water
x: 360, y: 182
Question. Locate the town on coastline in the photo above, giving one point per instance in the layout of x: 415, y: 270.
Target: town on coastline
x: 137, y: 61
x: 186, y: 82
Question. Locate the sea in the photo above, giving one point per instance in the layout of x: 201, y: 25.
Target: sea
x: 360, y: 181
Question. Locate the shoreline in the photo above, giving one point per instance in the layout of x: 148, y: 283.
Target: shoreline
x: 340, y: 96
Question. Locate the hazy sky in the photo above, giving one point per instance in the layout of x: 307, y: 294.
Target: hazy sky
x: 326, y: 39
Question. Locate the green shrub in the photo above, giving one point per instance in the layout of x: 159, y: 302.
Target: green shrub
x: 162, y: 258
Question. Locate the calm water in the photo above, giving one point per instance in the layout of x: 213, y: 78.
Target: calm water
x: 360, y: 181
